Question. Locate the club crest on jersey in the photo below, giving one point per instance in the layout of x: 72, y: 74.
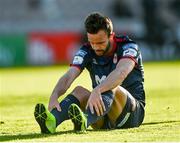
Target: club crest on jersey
x: 115, y: 59
x: 78, y: 60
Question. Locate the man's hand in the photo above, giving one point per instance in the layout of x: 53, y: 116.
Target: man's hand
x: 95, y: 102
x: 53, y: 103
x: 61, y: 87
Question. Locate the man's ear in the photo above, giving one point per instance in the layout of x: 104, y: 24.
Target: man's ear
x: 112, y: 35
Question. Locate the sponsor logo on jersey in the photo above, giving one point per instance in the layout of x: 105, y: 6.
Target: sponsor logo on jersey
x: 81, y: 53
x: 130, y: 52
x: 98, y: 79
x: 78, y: 60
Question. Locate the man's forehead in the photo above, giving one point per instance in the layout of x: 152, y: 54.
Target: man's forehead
x: 100, y: 33
x: 97, y: 37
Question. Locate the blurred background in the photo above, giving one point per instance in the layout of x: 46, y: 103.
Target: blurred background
x: 48, y: 32
x: 35, y: 35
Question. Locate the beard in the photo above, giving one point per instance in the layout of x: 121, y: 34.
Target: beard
x: 103, y: 52
x: 100, y: 52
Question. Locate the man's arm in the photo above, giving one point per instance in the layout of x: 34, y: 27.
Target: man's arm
x: 115, y: 78
x: 62, y: 86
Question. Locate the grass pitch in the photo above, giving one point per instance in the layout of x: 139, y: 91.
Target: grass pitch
x: 22, y: 88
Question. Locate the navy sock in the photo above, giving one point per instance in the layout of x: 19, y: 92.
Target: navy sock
x: 64, y: 104
x: 107, y: 98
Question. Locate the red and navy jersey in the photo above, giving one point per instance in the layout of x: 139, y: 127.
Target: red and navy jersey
x: 100, y: 67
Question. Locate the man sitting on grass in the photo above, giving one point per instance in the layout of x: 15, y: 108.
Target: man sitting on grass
x: 115, y: 67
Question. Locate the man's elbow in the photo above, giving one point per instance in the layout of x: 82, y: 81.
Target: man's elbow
x: 123, y: 74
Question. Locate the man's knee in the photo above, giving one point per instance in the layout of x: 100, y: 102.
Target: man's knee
x: 80, y: 91
x: 77, y: 89
x: 122, y: 94
x: 82, y: 94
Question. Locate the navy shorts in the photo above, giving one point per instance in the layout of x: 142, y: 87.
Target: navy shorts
x: 128, y: 118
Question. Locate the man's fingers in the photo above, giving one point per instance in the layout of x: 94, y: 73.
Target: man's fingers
x: 97, y: 109
x: 102, y: 104
x: 49, y: 108
x: 58, y: 107
x: 98, y: 106
x: 55, y: 105
x: 87, y: 106
x: 100, y: 109
x: 91, y: 108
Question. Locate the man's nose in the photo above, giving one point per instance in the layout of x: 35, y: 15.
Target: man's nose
x: 95, y: 47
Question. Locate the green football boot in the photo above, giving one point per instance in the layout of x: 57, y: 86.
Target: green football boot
x: 78, y: 118
x: 45, y: 119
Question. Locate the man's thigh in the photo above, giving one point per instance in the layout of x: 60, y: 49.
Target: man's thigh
x: 122, y: 100
x: 129, y: 113
x: 119, y: 103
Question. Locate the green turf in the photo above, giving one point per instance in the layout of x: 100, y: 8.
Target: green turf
x: 22, y: 88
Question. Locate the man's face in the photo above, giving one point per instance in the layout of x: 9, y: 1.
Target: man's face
x: 99, y: 42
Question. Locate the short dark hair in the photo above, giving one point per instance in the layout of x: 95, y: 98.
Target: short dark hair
x: 96, y: 21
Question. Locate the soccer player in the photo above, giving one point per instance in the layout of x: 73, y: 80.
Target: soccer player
x: 115, y: 67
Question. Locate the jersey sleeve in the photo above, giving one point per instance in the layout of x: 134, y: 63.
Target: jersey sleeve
x: 130, y: 50
x: 80, y: 59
